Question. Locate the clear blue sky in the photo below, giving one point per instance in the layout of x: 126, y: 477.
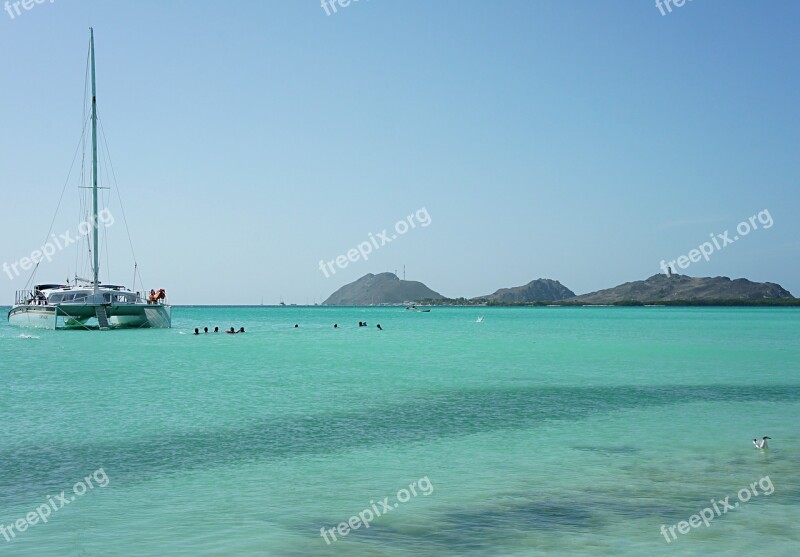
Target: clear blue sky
x: 574, y: 140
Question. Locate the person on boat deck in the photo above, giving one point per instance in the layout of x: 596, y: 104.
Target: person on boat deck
x: 205, y: 330
x: 216, y: 329
x: 196, y: 331
x: 241, y: 330
x: 231, y: 331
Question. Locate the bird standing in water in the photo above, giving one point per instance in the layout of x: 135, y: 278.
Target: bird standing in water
x: 761, y: 444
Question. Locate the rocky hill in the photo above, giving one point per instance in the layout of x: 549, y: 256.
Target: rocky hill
x: 539, y: 290
x: 660, y: 288
x: 383, y: 288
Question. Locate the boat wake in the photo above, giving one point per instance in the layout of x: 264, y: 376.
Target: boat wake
x: 27, y: 336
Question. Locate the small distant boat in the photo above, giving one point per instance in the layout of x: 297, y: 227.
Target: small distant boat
x: 420, y: 309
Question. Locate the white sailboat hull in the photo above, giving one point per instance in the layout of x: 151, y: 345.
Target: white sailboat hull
x: 71, y: 316
x: 36, y: 318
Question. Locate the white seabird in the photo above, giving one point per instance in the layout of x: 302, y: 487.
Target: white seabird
x: 761, y: 444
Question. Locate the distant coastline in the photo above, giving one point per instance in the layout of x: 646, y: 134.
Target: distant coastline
x: 657, y: 290
x: 766, y: 302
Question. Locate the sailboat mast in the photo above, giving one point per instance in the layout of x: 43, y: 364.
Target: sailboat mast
x: 95, y: 251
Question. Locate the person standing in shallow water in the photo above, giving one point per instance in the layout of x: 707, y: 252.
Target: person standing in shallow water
x: 196, y: 331
x: 205, y: 330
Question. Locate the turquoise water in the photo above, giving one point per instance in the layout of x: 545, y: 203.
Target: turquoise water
x: 541, y: 431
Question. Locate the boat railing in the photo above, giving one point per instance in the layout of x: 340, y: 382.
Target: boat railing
x: 23, y: 297
x: 26, y: 297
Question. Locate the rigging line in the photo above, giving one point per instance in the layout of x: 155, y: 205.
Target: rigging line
x: 116, y: 188
x: 58, y: 309
x: 85, y: 115
x: 79, y: 250
x: 82, y: 180
x: 105, y: 195
x: 103, y: 179
x: 60, y: 199
x: 141, y: 282
x: 81, y: 213
x: 106, y: 250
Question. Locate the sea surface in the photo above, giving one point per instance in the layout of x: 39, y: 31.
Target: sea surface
x: 539, y: 431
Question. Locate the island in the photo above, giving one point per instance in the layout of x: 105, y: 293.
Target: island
x: 659, y: 289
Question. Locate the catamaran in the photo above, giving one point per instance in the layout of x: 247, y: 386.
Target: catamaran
x: 88, y: 303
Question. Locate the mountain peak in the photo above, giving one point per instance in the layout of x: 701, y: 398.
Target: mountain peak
x: 539, y: 290
x: 383, y: 288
